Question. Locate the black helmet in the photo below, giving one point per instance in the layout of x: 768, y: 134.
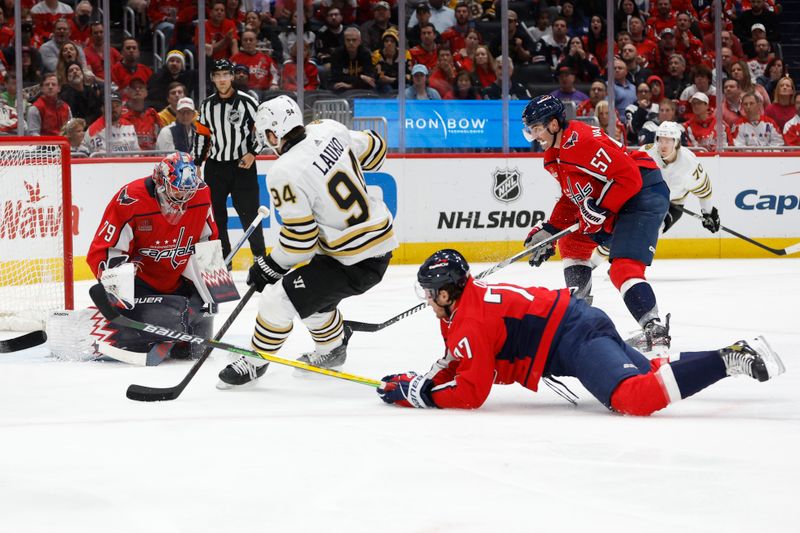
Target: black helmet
x: 446, y: 269
x: 221, y: 65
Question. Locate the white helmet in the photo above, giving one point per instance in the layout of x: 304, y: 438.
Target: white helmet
x: 280, y: 116
x: 668, y: 129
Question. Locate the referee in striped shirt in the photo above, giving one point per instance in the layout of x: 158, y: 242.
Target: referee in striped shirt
x: 228, y: 144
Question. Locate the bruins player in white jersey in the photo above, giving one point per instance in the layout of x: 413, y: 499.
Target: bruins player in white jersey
x: 684, y: 174
x: 330, y: 222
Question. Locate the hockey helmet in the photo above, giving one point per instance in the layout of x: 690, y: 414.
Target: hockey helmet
x: 541, y: 110
x: 176, y: 182
x: 280, y: 115
x: 446, y: 269
x: 668, y: 130
x: 222, y: 65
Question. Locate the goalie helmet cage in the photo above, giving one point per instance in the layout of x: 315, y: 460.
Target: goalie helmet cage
x: 35, y: 230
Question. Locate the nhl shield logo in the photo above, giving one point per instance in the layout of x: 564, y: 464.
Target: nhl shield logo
x: 507, y: 184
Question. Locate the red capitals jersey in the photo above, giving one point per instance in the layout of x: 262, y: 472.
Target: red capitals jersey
x: 590, y: 163
x: 147, y: 124
x: 133, y: 227
x: 263, y: 73
x: 497, y: 334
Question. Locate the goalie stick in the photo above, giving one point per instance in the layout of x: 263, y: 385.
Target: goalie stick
x: 23, y: 342
x: 100, y: 299
x: 784, y: 251
x: 371, y: 328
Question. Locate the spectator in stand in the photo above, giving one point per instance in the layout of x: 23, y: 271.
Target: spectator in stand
x: 566, y: 86
x: 776, y: 69
x: 749, y: 45
x: 483, y: 74
x: 757, y: 14
x: 8, y: 106
x: 686, y: 43
x: 48, y: 113
x: 636, y: 115
x: 286, y: 39
x: 583, y: 64
x: 6, y: 32
x: 386, y: 62
x: 419, y: 89
x: 645, y: 47
x: 330, y: 37
x: 45, y: 14
x: 465, y: 57
x: 414, y: 33
x: 30, y: 37
x: 666, y: 112
x: 741, y: 72
x: 351, y: 65
x: 666, y: 49
x: 443, y: 76
x: 558, y: 41
x: 454, y: 36
x: 289, y: 70
x: 764, y: 55
x: 221, y: 34
x: 75, y: 132
x: 577, y: 24
x: 520, y: 44
x: 173, y: 70
x: 163, y: 15
x: 94, y: 52
x: 635, y: 64
x: 286, y: 9
x: 241, y: 80
x: 129, y: 67
x: 464, y: 89
x: 366, y: 9
x: 601, y: 111
x: 702, y: 83
x: 701, y: 129
x: 263, y: 73
x: 542, y: 28
x: 791, y: 130
x: 676, y: 79
x: 69, y: 54
x: 595, y: 41
x: 234, y: 10
x: 442, y: 17
x: 727, y: 60
x: 656, y: 88
x: 494, y: 91
x: 123, y: 134
x: 81, y: 23
x: 625, y: 10
x: 266, y: 32
x: 732, y: 102
x: 597, y: 92
x: 755, y: 128
x: 145, y: 119
x: 373, y: 29
x: 729, y: 40
x: 51, y: 49
x: 663, y: 18
x: 175, y: 92
x: 180, y: 134
x: 624, y: 90
x: 31, y: 67
x: 84, y: 96
x: 425, y: 53
x: 346, y: 7
x: 781, y: 110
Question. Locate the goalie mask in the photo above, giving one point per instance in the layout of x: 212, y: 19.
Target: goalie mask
x: 671, y: 133
x: 280, y: 116
x: 176, y: 182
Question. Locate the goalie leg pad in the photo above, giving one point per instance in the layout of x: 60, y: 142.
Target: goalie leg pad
x: 166, y: 310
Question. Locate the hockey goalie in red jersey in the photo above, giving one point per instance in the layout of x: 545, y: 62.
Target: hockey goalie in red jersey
x: 504, y: 334
x: 150, y: 229
x: 620, y: 200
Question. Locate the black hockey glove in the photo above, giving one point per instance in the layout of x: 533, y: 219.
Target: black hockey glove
x: 711, y: 220
x: 265, y: 271
x: 540, y: 232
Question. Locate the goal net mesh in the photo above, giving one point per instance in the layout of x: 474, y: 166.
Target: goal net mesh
x: 32, y: 264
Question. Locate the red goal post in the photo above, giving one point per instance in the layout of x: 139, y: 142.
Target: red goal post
x: 36, y: 227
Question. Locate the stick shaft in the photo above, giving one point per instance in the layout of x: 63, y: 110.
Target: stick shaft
x: 776, y: 251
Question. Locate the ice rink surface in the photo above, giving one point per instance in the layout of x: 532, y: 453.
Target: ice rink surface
x: 318, y: 454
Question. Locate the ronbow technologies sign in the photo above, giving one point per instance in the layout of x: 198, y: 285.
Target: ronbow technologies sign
x: 447, y: 123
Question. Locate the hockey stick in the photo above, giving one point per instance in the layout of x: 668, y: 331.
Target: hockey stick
x: 371, y: 328
x: 784, y: 251
x: 23, y: 342
x: 143, y: 393
x: 100, y: 299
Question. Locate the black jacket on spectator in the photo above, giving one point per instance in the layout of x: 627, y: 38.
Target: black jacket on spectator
x: 327, y: 43
x: 495, y: 91
x: 585, y: 71
x: 747, y: 19
x: 372, y: 34
x: 344, y: 69
x: 160, y: 80
x: 86, y: 104
x: 527, y: 42
x: 673, y: 87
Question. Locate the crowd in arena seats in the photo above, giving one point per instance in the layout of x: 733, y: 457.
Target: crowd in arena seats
x: 663, y: 63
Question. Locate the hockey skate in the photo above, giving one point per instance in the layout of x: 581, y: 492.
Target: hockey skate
x: 755, y: 359
x: 333, y: 359
x: 240, y: 372
x: 654, y: 336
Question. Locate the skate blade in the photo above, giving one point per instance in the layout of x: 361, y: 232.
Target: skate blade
x: 221, y: 385
x: 775, y: 366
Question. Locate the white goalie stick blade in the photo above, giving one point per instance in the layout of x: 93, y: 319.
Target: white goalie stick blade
x: 23, y: 342
x: 124, y: 356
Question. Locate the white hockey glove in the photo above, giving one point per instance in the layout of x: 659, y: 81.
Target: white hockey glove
x: 118, y: 282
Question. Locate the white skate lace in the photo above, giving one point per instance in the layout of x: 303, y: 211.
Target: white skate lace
x: 243, y: 366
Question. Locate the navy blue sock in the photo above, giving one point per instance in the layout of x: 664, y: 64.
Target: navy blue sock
x: 695, y: 371
x: 640, y: 300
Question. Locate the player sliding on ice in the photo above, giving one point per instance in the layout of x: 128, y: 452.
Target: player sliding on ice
x: 501, y: 333
x: 620, y: 200
x: 330, y: 220
x: 683, y: 174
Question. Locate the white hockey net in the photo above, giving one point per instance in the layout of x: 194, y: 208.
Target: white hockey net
x: 35, y: 231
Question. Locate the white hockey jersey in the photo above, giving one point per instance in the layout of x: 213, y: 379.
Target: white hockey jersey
x: 683, y: 176
x: 318, y: 188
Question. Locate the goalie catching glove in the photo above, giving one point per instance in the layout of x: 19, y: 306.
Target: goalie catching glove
x: 539, y: 233
x: 265, y: 271
x: 407, y: 390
